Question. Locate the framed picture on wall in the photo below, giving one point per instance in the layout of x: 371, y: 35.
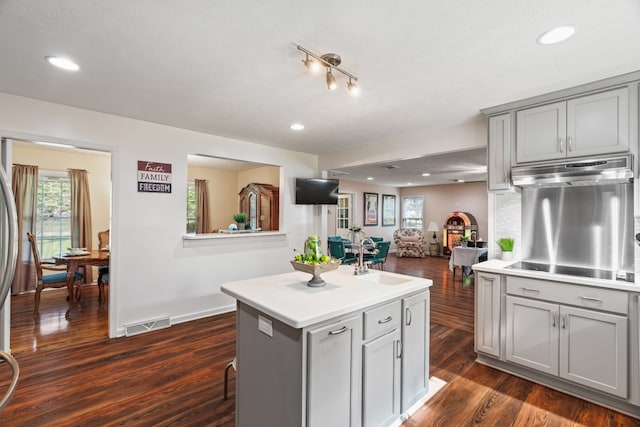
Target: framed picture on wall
x: 370, y: 209
x: 388, y: 210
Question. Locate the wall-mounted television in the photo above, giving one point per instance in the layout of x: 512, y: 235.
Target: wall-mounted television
x: 316, y: 191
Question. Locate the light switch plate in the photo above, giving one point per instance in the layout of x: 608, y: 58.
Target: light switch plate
x: 265, y: 326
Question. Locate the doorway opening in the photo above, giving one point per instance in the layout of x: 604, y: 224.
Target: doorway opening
x: 89, y: 317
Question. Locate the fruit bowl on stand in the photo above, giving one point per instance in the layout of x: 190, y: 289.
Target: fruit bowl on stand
x: 316, y: 270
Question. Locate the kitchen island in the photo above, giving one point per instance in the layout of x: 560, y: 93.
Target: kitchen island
x: 354, y: 352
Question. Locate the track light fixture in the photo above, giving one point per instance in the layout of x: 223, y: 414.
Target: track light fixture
x: 331, y: 62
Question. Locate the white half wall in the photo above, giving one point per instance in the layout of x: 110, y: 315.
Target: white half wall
x: 152, y: 274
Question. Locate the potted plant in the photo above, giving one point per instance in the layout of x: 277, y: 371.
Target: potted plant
x: 240, y: 219
x: 506, y: 246
x: 464, y: 240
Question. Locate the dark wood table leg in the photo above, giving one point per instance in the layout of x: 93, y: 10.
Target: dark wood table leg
x: 71, y: 271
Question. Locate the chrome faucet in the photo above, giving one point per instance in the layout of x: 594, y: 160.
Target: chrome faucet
x: 363, y: 267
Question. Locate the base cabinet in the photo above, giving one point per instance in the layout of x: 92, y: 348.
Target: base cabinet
x: 532, y: 334
x: 487, y: 313
x: 587, y: 347
x: 334, y: 374
x: 415, y: 349
x: 381, y: 380
x: 594, y: 349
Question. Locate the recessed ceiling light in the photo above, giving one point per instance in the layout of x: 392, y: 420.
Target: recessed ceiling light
x: 64, y: 63
x: 556, y: 35
x: 426, y: 174
x: 297, y: 126
x: 409, y: 183
x: 369, y: 178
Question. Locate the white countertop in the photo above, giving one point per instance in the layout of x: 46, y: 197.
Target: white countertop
x: 286, y: 297
x: 498, y: 266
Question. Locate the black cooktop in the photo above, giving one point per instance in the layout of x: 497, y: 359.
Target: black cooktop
x: 623, y: 276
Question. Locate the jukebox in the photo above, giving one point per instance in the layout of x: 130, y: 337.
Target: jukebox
x: 456, y: 225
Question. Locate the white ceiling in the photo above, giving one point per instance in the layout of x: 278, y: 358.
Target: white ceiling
x: 231, y: 68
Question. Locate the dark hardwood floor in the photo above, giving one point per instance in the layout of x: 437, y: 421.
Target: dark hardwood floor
x: 72, y: 375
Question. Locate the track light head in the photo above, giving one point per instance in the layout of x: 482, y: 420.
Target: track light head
x: 331, y: 81
x: 311, y: 64
x: 354, y: 90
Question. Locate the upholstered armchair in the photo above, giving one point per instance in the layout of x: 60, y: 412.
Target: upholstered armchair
x: 409, y: 242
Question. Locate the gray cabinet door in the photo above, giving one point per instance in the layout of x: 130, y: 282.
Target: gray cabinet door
x: 598, y: 124
x: 499, y: 165
x: 415, y: 349
x: 333, y: 397
x: 381, y: 380
x: 487, y: 312
x: 594, y: 349
x: 532, y: 329
x: 541, y: 133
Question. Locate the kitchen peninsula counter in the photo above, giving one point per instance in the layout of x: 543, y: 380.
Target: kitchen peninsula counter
x: 586, y: 332
x: 353, y: 352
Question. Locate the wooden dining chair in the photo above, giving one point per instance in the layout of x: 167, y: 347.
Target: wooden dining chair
x: 58, y: 280
x: 104, y: 241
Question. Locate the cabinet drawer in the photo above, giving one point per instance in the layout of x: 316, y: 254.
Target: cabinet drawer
x: 570, y: 294
x: 382, y: 319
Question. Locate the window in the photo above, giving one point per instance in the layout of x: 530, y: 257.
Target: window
x: 191, y: 207
x: 412, y: 212
x: 53, y: 213
x: 343, y: 212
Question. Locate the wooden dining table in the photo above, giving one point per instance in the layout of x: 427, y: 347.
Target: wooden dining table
x: 73, y: 262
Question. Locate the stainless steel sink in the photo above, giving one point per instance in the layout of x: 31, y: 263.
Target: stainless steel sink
x: 384, y: 279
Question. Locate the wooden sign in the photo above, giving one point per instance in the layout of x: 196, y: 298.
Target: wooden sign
x: 154, y: 177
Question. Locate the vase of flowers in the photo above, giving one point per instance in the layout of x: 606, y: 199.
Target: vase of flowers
x: 356, y: 233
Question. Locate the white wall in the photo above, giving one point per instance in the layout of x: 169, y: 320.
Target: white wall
x: 358, y: 189
x: 152, y: 274
x: 442, y: 200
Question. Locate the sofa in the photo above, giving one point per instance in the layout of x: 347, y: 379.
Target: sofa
x: 409, y: 242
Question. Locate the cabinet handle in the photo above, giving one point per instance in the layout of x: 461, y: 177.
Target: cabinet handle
x: 561, y: 144
x: 553, y: 320
x: 564, y: 321
x: 408, y: 316
x: 591, y: 299
x: 388, y: 319
x: 338, y: 331
x: 531, y: 290
x: 399, y: 349
x: 570, y: 144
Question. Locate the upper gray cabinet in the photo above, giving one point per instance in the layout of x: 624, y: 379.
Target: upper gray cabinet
x: 588, y: 125
x: 499, y: 153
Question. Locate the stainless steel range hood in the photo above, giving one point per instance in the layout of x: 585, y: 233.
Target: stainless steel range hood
x: 584, y: 171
